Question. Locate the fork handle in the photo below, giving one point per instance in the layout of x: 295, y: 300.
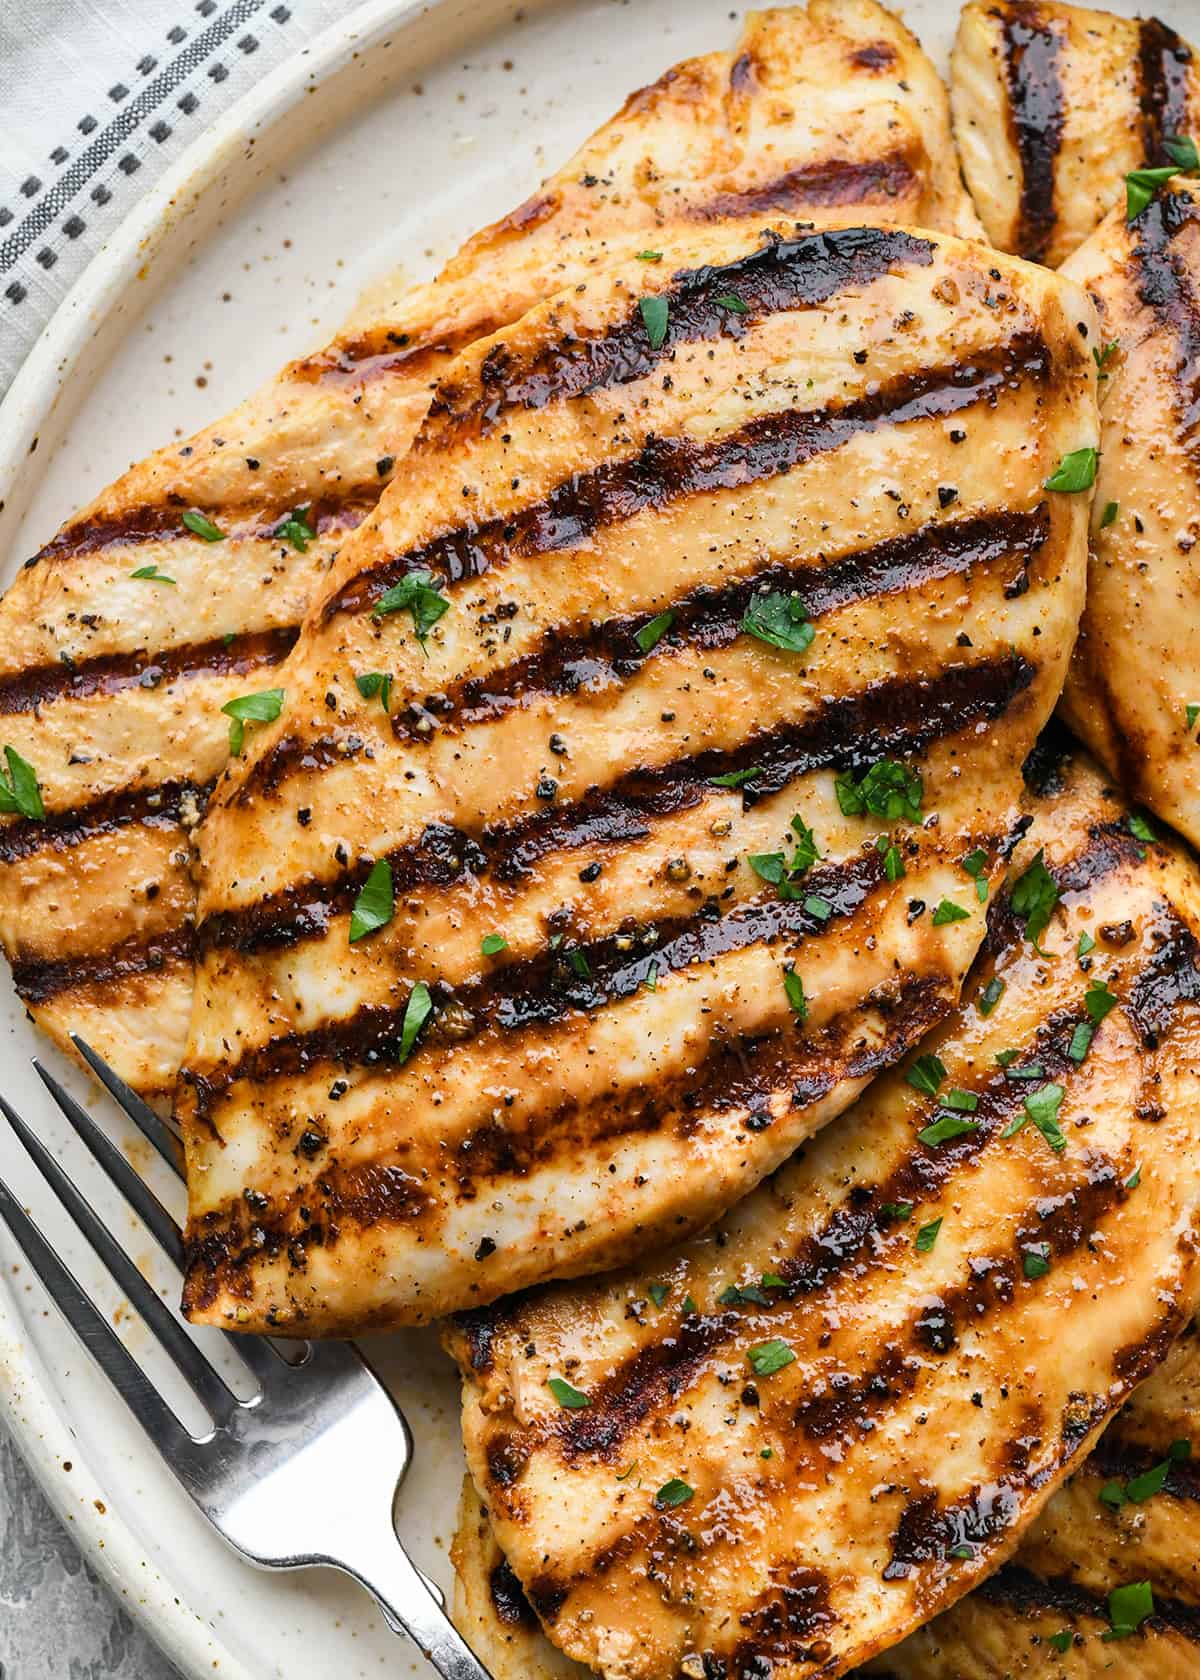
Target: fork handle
x: 402, y: 1593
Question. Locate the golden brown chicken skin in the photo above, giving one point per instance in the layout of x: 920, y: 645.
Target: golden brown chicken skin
x: 111, y: 685
x: 798, y: 1437
x: 1054, y: 105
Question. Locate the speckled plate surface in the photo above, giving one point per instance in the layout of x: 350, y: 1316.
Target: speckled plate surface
x: 382, y: 146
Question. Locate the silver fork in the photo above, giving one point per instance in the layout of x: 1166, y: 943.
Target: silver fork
x: 290, y: 1477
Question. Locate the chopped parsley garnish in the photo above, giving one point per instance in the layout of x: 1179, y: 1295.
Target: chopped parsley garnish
x: 927, y: 1235
x: 416, y: 1013
x: 251, y: 708
x: 1137, y: 1489
x: 653, y: 631
x: 1098, y: 1000
x: 772, y: 1280
x: 1128, y: 1608
x: 650, y: 978
x: 1081, y: 1041
x: 1042, y: 1108
x: 1034, y: 895
x: 893, y: 863
x: 1139, y: 827
x: 948, y: 911
x: 1076, y: 471
x: 372, y: 683
x: 794, y: 987
x: 1193, y: 712
x: 975, y: 863
x: 819, y: 907
x: 782, y: 871
x: 673, y: 1493
x: 781, y: 620
x: 1086, y: 945
x: 649, y: 256
x: 1061, y: 1641
x: 580, y: 964
x: 900, y: 1211
x: 736, y: 778
x: 418, y: 594
x: 19, y: 790
x: 1005, y: 1058
x: 1036, y: 1262
x: 741, y: 1295
x: 963, y: 1102
x: 574, y: 1399
x: 493, y: 942
x: 732, y: 302
x: 152, y: 575
x: 655, y: 314
x: 1134, y: 1179
x: 991, y: 994
x: 926, y: 1075
x: 1142, y: 184
x: 658, y: 1293
x: 769, y: 1357
x: 963, y: 1550
x: 375, y: 905
x: 1109, y: 516
x: 889, y: 789
x: 1031, y: 1070
x: 689, y: 1306
x: 944, y: 1128
x: 296, y: 528
x: 201, y: 526
x: 1104, y: 355
x: 1181, y: 149
x: 806, y: 853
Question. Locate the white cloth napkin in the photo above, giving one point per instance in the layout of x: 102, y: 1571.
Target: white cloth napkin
x: 97, y: 97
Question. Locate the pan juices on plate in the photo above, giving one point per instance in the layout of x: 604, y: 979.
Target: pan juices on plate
x: 781, y: 1447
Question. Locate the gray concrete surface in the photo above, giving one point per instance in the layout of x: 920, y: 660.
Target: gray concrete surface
x: 56, y: 1620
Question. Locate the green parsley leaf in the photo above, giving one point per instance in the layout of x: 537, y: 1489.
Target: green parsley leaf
x: 650, y: 979
x: 1109, y: 516
x: 927, y: 1235
x: 372, y: 683
x: 819, y: 907
x: 1152, y: 1481
x: 963, y: 1102
x: 1141, y: 186
x: 1042, y: 1108
x: 1104, y: 354
x: 772, y: 1280
x: 1005, y: 1058
x: 202, y: 526
x: 1181, y: 149
x: 975, y: 863
x: 689, y: 1306
x: 1179, y: 1451
x: 740, y: 1295
x: 493, y: 942
x: 888, y: 789
x: 781, y: 620
x: 418, y: 594
x: 736, y: 778
x: 1034, y: 895
x: 1031, y: 1070
x: 769, y: 1357
x: 900, y: 1211
x: 991, y: 994
x: 228, y: 639
x: 152, y: 575
x: 580, y: 964
x: 264, y: 707
x: 658, y: 1293
x: 375, y: 905
x: 652, y: 632
x: 673, y: 1493
x: 655, y: 314
x: 19, y: 789
x: 567, y: 1395
x: 1134, y: 1179
x: 1139, y: 827
x: 770, y: 866
x: 416, y: 1012
x: 963, y: 1550
x: 806, y: 853
x: 1037, y: 1260
x: 296, y: 529
x: 1099, y: 1000
x: 794, y: 987
x: 1193, y: 712
x: 1081, y: 1041
x: 948, y: 911
x: 649, y: 256
x: 1112, y: 1494
x: 946, y: 1127
x: 1061, y: 1641
x: 731, y: 301
x: 893, y: 863
x: 1086, y: 944
x: 1076, y: 471
x: 926, y: 1075
x: 1128, y: 1608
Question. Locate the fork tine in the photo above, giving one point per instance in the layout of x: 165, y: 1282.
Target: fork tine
x: 139, y: 1196
x: 204, y: 1381
x: 152, y: 1127
x: 97, y: 1336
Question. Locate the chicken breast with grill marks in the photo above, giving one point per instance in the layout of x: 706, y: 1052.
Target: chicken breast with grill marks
x: 1053, y: 106
x: 1133, y: 693
x: 679, y: 551
x: 1052, y: 1597
x: 789, y: 1442
x: 111, y: 685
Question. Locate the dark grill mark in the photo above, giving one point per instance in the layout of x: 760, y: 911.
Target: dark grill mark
x: 901, y: 715
x: 594, y: 659
x: 384, y: 351
x: 508, y: 1598
x: 1115, y: 1459
x: 830, y: 182
x: 1171, y: 979
x: 783, y: 275
x: 163, y: 806
x: 1015, y: 1588
x: 1165, y: 287
x: 38, y: 981
x: 110, y: 673
x: 1164, y: 73
x: 162, y: 521
x: 670, y: 469
x: 1035, y: 104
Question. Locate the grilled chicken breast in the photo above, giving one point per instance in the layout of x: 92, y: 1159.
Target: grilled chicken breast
x: 1053, y: 105
x: 1134, y: 683
x: 846, y: 434
x: 787, y: 1443
x: 111, y: 684
x: 1046, y: 1612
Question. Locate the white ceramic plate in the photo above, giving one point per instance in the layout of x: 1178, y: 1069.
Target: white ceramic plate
x: 383, y: 146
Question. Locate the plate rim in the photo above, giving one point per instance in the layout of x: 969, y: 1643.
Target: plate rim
x: 41, y: 1433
